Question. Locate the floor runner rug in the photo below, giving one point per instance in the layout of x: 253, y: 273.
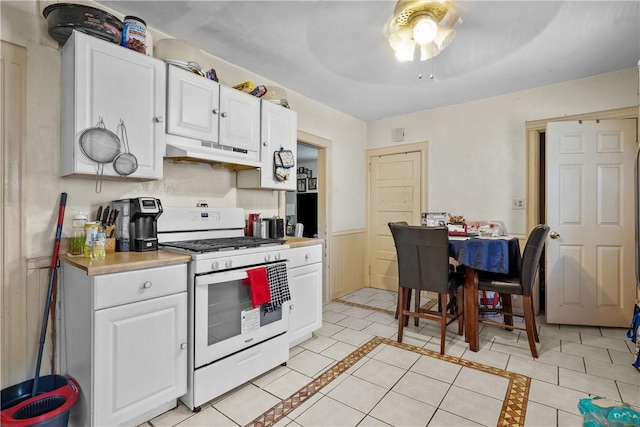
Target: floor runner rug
x: 513, y: 410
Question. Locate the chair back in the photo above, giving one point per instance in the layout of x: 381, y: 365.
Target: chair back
x: 423, y: 257
x: 531, y: 257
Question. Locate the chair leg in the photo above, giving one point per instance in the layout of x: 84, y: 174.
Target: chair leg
x: 398, y: 303
x: 535, y: 327
x: 529, y: 322
x: 460, y: 297
x: 402, y: 294
x: 416, y: 320
x: 507, y: 308
x: 442, y: 303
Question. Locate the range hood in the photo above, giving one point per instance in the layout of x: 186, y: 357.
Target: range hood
x: 206, y: 152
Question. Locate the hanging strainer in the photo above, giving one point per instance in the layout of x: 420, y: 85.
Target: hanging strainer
x: 125, y: 163
x: 100, y: 145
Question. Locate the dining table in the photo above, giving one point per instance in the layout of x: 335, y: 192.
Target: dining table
x: 498, y: 255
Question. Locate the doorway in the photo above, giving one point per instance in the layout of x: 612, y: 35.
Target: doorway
x: 318, y: 151
x: 302, y: 205
x: 396, y: 191
x: 536, y: 180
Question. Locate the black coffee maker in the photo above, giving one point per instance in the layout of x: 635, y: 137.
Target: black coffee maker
x: 136, y: 226
x: 143, y: 230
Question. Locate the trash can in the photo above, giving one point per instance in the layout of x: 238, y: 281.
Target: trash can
x: 50, y: 407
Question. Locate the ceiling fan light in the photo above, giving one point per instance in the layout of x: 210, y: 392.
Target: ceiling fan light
x: 444, y: 37
x: 395, y: 41
x: 424, y: 31
x: 428, y: 51
x: 407, y: 51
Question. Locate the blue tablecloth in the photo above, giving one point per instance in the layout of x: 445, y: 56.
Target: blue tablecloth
x: 492, y: 255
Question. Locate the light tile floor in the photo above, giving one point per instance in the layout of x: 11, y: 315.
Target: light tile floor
x: 394, y: 386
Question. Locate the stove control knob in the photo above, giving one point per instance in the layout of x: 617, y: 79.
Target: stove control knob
x: 215, y: 265
x: 278, y: 256
x: 267, y: 257
x: 229, y: 264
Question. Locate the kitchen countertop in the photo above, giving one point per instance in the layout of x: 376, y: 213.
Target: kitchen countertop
x: 126, y: 261
x: 297, y: 242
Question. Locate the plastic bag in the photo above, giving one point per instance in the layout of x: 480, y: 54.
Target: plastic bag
x: 602, y: 412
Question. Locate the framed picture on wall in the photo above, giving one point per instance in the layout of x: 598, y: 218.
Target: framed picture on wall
x: 313, y: 184
x: 302, y: 185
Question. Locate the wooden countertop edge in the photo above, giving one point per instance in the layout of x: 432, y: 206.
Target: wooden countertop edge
x: 298, y: 242
x: 126, y: 261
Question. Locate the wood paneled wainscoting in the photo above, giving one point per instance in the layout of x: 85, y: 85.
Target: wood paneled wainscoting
x: 348, y: 249
x: 23, y: 307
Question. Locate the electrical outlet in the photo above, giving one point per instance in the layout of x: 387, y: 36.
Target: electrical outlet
x: 517, y: 204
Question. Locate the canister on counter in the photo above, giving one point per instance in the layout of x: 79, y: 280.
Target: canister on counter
x: 134, y: 34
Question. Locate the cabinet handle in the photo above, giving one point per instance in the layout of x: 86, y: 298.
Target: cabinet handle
x: 223, y: 114
x: 146, y: 285
x: 159, y: 119
x: 306, y: 257
x: 183, y: 346
x: 266, y: 144
x: 214, y: 111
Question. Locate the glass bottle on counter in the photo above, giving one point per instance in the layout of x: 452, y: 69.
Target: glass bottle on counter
x: 78, y: 236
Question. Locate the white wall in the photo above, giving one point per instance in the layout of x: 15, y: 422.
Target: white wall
x: 184, y: 184
x: 477, y: 150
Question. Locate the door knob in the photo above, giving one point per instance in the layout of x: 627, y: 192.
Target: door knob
x: 554, y: 235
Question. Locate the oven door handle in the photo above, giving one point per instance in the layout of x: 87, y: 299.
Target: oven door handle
x: 222, y: 277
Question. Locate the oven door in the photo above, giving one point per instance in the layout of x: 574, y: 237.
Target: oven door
x: 225, y: 321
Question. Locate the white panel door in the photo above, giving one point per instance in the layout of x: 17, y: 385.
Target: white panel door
x: 140, y: 358
x: 590, y: 255
x: 395, y: 196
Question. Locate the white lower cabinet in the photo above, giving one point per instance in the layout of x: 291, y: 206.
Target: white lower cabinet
x: 306, y: 292
x: 125, y: 338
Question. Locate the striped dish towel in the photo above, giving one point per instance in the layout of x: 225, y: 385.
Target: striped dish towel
x: 278, y: 285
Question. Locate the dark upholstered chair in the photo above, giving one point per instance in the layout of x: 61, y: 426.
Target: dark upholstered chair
x: 423, y: 265
x: 518, y: 285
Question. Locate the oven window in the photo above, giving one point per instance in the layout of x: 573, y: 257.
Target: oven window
x: 225, y: 304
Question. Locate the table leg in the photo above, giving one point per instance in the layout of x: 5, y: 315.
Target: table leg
x: 471, y: 308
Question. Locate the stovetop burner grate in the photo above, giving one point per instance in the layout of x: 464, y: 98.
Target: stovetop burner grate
x: 222, y: 244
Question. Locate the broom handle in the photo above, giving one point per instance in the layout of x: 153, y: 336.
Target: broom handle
x: 47, y: 304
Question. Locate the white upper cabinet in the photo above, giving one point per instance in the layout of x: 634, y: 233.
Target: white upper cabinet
x: 104, y: 80
x: 192, y: 105
x: 278, y: 131
x: 210, y: 122
x: 239, y: 119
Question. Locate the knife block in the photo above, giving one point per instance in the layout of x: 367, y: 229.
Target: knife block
x: 110, y: 244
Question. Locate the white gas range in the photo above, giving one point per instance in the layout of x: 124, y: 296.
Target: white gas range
x: 229, y: 341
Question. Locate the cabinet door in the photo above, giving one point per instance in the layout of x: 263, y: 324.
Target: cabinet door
x: 116, y: 84
x: 239, y: 120
x: 279, y: 130
x: 140, y: 362
x: 192, y: 105
x: 306, y: 299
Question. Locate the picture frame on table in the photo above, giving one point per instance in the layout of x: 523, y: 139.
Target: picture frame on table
x: 313, y: 184
x: 302, y: 185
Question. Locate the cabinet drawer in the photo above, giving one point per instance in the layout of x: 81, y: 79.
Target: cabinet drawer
x: 131, y: 286
x: 305, y: 255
